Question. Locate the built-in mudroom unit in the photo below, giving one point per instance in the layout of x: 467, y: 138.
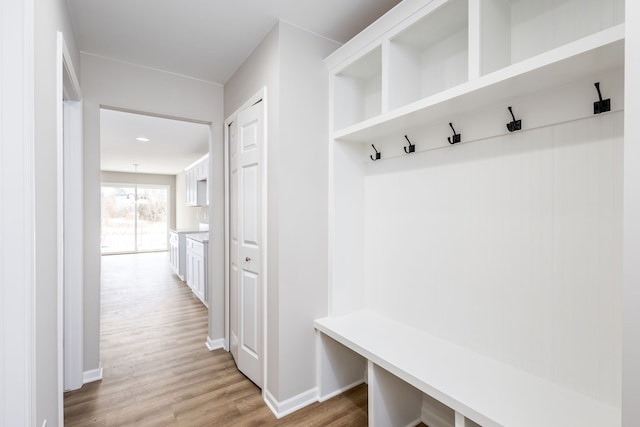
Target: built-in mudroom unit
x: 476, y: 214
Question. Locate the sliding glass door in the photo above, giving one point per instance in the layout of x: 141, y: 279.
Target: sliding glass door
x: 134, y: 218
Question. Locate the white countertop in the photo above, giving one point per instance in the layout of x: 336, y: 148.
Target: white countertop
x: 202, y: 237
x: 187, y: 230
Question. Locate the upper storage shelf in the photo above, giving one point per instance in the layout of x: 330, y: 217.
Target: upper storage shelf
x: 454, y: 56
x: 429, y: 56
x: 358, y: 90
x: 515, y: 30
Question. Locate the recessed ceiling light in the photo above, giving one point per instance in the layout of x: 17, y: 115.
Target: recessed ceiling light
x: 142, y: 139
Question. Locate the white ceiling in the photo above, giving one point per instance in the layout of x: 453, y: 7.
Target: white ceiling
x: 207, y: 39
x: 203, y: 39
x: 172, y: 145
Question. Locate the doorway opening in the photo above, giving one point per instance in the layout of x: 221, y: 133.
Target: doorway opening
x: 143, y: 158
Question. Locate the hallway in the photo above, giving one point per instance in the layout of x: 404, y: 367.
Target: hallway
x: 157, y: 370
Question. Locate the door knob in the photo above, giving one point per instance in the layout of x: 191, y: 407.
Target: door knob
x: 247, y: 259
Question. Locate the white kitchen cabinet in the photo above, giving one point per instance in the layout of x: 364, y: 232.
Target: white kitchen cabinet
x: 178, y: 250
x: 197, y: 182
x: 474, y: 250
x: 190, y: 199
x: 197, y: 248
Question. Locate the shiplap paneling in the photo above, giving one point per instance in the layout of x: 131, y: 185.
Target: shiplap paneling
x: 509, y: 246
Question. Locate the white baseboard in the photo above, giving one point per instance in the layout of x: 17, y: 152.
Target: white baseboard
x: 91, y: 376
x: 414, y: 423
x: 215, y: 344
x: 282, y: 409
x: 340, y: 391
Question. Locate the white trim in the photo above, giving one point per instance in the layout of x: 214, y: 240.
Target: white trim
x: 227, y: 258
x: 264, y: 214
x: 73, y: 308
x: 71, y: 84
x: 92, y: 375
x: 306, y: 30
x: 201, y: 159
x: 17, y: 218
x: 291, y: 405
x: 60, y: 310
x: 216, y: 344
x: 159, y: 70
x: 631, y: 219
x: 69, y: 225
x: 156, y: 115
x: 339, y: 391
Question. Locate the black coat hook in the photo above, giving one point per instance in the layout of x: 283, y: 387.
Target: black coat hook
x: 515, y: 124
x: 411, y: 148
x: 377, y: 154
x: 603, y: 105
x: 456, y: 136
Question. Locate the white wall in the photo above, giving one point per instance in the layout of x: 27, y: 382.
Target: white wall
x: 124, y: 86
x: 510, y: 247
x: 258, y: 71
x: 631, y: 290
x: 289, y: 62
x: 111, y: 177
x: 50, y: 17
x: 303, y: 196
x: 17, y: 216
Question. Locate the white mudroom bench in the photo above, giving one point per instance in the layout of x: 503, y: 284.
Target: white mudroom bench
x: 413, y: 376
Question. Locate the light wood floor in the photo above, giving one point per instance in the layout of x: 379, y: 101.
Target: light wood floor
x: 157, y: 370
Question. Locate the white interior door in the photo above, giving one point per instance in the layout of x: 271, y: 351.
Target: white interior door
x: 248, y: 261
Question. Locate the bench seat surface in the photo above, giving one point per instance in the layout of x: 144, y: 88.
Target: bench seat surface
x: 482, y: 389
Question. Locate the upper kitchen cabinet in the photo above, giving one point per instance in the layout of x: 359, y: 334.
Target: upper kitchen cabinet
x: 197, y: 182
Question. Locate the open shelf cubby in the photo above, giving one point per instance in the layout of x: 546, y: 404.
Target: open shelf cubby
x: 358, y: 90
x: 515, y: 30
x: 431, y: 55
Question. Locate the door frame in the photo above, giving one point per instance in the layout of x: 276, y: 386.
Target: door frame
x: 69, y: 224
x: 259, y: 96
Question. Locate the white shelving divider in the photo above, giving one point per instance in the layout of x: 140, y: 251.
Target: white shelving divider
x: 392, y: 402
